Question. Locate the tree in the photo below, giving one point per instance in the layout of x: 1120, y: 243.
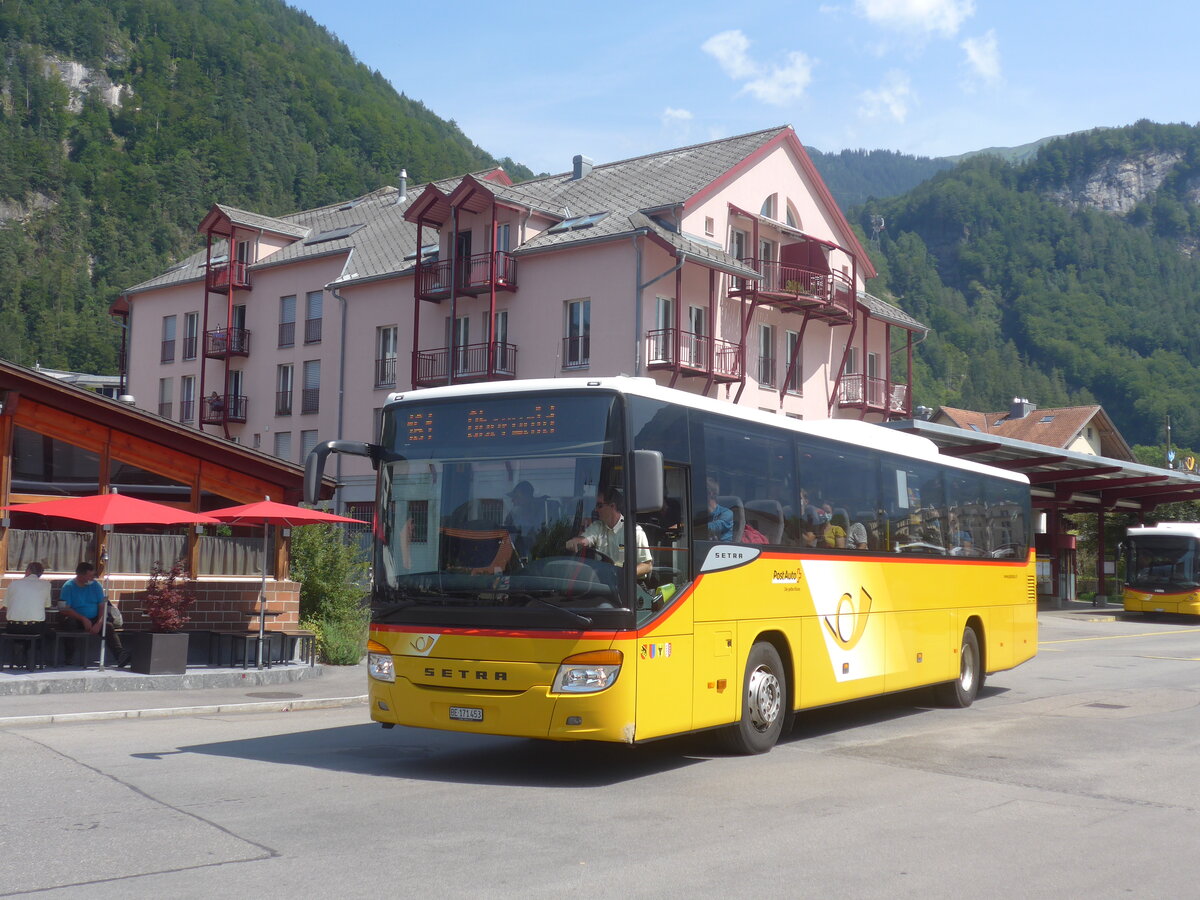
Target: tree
x: 332, y: 572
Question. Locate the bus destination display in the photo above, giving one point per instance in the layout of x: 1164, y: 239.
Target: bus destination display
x: 482, y: 423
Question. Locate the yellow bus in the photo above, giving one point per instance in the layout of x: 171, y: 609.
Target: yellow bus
x: 779, y: 565
x: 1162, y: 568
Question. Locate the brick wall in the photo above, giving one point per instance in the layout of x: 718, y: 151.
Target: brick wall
x: 220, y: 605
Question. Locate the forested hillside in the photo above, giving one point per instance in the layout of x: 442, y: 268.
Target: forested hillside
x: 1068, y: 279
x: 856, y: 176
x: 121, y: 121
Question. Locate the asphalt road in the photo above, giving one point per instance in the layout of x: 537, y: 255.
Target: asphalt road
x: 1074, y: 775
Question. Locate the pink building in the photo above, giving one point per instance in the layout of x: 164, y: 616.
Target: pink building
x: 723, y: 269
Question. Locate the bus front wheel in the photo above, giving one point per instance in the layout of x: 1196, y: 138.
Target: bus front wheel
x: 961, y: 692
x: 764, y: 702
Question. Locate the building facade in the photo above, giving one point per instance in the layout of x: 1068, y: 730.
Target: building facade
x: 724, y: 269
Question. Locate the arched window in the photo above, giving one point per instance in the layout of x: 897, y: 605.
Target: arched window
x: 793, y: 217
x: 770, y: 206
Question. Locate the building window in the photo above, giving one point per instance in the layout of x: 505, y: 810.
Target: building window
x: 710, y: 226
x: 284, y: 378
x: 504, y: 238
x: 578, y: 339
x: 168, y: 340
x: 308, y: 440
x: 793, y: 217
x: 312, y: 317
x: 187, y: 398
x: 766, y: 355
x: 310, y: 392
x: 385, y: 356
x: 166, y: 388
x: 191, y: 334
x: 418, y: 514
x: 793, y: 352
x: 770, y: 207
x: 283, y: 445
x: 287, y: 321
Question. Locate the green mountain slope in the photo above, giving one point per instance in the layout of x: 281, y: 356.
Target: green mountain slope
x: 1067, y: 279
x: 856, y: 176
x: 121, y: 121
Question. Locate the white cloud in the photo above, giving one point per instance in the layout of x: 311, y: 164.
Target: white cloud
x: 783, y: 83
x: 891, y: 100
x: 671, y: 114
x: 922, y: 16
x: 729, y: 49
x: 983, y: 56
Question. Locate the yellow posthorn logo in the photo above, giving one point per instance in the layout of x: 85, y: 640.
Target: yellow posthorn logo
x: 421, y: 644
x: 847, y: 624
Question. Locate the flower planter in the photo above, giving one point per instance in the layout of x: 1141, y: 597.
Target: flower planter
x: 156, y: 653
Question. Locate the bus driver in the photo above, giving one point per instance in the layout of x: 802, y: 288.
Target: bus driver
x: 607, y: 534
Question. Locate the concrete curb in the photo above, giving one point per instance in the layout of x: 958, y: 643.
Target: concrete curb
x: 168, y: 712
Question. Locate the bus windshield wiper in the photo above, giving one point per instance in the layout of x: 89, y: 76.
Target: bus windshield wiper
x: 573, y: 616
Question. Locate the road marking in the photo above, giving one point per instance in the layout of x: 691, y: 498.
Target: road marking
x: 1114, y: 637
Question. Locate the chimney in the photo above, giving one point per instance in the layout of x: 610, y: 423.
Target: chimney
x: 580, y: 166
x: 1021, y: 408
x: 403, y: 195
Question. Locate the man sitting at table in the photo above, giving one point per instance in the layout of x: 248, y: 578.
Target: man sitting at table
x: 85, y: 608
x: 27, y: 600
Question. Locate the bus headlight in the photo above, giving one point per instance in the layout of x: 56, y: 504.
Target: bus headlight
x: 586, y: 673
x: 380, y: 664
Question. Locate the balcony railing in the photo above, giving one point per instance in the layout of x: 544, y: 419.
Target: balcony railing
x: 312, y: 331
x: 766, y: 371
x: 189, y: 346
x: 470, y: 364
x: 433, y: 280
x: 830, y: 293
x: 874, y: 394
x: 310, y: 400
x: 187, y: 410
x: 217, y: 409
x: 475, y: 272
x: 221, y: 343
x: 576, y: 352
x: 167, y: 353
x: 221, y: 275
x: 287, y: 334
x: 164, y: 409
x: 385, y: 372
x: 283, y: 403
x: 665, y: 347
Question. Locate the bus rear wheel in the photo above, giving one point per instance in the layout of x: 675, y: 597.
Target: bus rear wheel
x: 764, y: 702
x: 962, y: 691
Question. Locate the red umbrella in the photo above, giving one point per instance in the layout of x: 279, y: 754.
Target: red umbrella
x: 108, y: 510
x: 268, y: 512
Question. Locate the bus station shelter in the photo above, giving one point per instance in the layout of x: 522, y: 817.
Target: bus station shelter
x: 58, y: 440
x: 1061, y: 482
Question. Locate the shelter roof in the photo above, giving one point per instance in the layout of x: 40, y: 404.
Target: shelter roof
x: 1054, y: 427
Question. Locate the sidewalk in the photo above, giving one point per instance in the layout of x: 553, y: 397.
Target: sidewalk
x: 47, y: 697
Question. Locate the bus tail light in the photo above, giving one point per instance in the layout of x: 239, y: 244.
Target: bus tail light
x: 586, y: 673
x: 380, y: 664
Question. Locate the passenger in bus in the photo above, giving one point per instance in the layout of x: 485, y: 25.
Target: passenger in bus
x: 606, y: 534
x: 835, y: 531
x: 856, y: 536
x: 808, y: 536
x: 526, y: 518
x: 720, y: 518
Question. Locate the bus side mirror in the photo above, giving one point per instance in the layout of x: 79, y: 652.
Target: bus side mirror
x: 314, y: 465
x: 648, y: 480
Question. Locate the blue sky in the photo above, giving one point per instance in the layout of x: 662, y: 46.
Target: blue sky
x: 542, y: 81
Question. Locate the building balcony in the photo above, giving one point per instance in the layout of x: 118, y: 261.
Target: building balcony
x: 385, y: 372
x: 689, y: 354
x: 473, y: 362
x: 796, y: 288
x: 223, y: 276
x: 872, y: 394
x: 476, y: 276
x: 217, y: 409
x: 577, y: 352
x: 222, y: 343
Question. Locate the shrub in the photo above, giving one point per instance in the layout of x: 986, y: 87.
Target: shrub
x: 331, y: 571
x: 167, y: 598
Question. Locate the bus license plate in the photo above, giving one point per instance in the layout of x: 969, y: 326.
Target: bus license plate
x: 466, y: 713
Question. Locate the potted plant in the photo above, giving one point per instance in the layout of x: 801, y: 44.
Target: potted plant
x: 163, y: 650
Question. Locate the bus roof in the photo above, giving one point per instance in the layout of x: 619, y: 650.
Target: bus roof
x: 847, y: 431
x: 1185, y: 529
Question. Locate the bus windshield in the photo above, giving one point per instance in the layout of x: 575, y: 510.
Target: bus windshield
x: 1162, y: 561
x: 478, y: 498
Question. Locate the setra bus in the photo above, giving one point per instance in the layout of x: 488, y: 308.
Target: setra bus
x: 778, y: 565
x: 1162, y: 568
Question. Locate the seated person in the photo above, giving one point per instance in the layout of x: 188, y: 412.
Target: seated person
x: 856, y: 537
x: 720, y: 518
x: 27, y: 600
x: 835, y: 531
x: 526, y: 518
x: 606, y: 534
x: 808, y: 536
